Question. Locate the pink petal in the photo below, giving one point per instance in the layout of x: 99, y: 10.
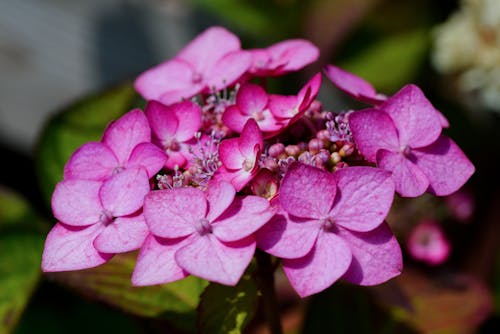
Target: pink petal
x: 230, y: 155
x: 176, y: 159
x: 327, y: 261
x: 283, y: 106
x: 445, y: 165
x: 262, y: 62
x: 127, y: 132
x: 415, y: 118
x: 173, y: 77
x: 163, y: 120
x: 219, y: 196
x: 123, y: 194
x: 76, y: 202
x: 251, y: 98
x: 234, y: 119
x: 442, y: 120
x: 148, y: 156
x: 189, y: 116
x: 124, y: 234
x: 156, y: 262
x: 92, y: 161
x: 251, y: 140
x: 376, y: 256
x: 238, y: 178
x: 373, y: 130
x: 288, y: 237
x: 300, y: 188
x: 216, y: 261
x: 208, y: 47
x: 364, y: 197
x: 228, y: 70
x: 71, y: 248
x: 409, y: 179
x: 172, y: 213
x: 187, y: 92
x: 294, y: 54
x: 309, y: 92
x: 353, y: 85
x: 245, y: 216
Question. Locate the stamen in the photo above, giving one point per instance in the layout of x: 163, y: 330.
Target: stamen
x: 328, y: 224
x: 203, y: 226
x: 106, y: 217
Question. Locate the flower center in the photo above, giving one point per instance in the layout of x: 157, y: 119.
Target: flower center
x: 117, y: 170
x: 328, y: 224
x: 406, y: 151
x: 258, y: 116
x: 106, y: 217
x: 203, y: 226
x: 173, y: 146
x: 197, y: 78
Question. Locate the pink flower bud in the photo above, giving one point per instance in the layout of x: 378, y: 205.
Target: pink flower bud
x: 292, y: 150
x: 276, y: 150
x: 315, y: 145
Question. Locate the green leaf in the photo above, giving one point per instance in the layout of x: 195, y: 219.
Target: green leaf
x: 175, y: 302
x: 228, y: 309
x: 81, y: 122
x: 392, y: 62
x: 21, y: 244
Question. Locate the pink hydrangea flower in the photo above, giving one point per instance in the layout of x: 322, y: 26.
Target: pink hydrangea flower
x: 428, y: 243
x: 96, y: 220
x: 126, y: 143
x: 251, y: 102
x: 206, y: 234
x: 283, y: 57
x: 288, y: 109
x: 240, y: 156
x: 404, y: 137
x: 213, y: 60
x: 174, y: 128
x: 339, y: 233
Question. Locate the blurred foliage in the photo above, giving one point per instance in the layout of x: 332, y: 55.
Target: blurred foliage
x: 228, y: 309
x: 22, y: 234
x: 392, y: 62
x: 174, y: 302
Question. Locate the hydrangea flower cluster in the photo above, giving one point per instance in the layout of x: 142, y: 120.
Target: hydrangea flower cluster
x: 216, y: 166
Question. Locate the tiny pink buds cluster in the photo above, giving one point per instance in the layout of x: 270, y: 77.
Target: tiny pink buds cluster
x: 216, y: 166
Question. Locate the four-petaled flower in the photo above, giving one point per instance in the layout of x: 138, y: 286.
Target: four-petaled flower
x: 240, y: 156
x: 206, y: 234
x: 96, y: 220
x: 331, y: 226
x: 174, y: 128
x: 212, y: 61
x: 404, y: 137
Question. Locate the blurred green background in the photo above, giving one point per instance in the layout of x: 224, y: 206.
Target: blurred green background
x: 67, y: 68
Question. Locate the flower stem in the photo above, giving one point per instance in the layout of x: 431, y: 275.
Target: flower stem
x: 265, y: 280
